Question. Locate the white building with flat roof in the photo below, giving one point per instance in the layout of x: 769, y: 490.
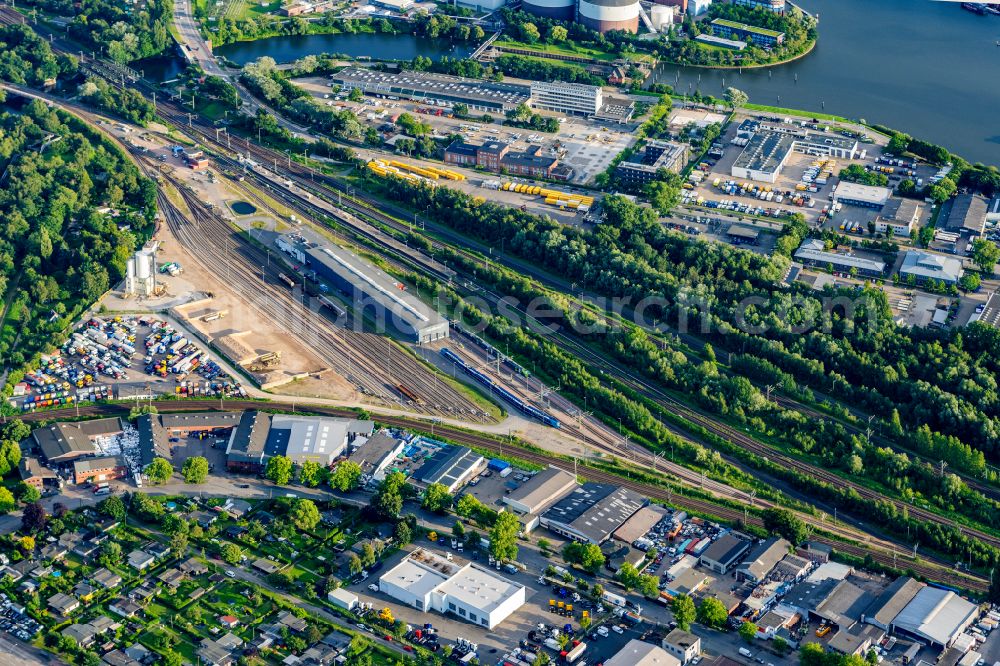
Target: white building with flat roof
x: 936, y: 616
x: 856, y: 194
x: 641, y: 653
x: 577, y: 99
x: 427, y: 581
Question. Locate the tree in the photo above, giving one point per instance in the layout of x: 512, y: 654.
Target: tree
x: 529, y: 32
x: 111, y: 554
x: 113, y: 506
x: 356, y: 95
x: 628, y: 576
x: 311, y: 474
x: 503, y: 537
x: 467, y: 505
x: 684, y: 611
x: 436, y: 498
x: 985, y: 254
x: 898, y: 143
x: 969, y: 281
x: 159, y: 471
x: 28, y: 493
x: 712, y: 613
x: 179, y: 543
x: 304, y: 514
x: 403, y: 533
x: 231, y: 553
x: 748, y: 631
x: 195, y: 469
x: 649, y: 586
x: 588, y: 556
x: 736, y: 97
x: 7, y: 502
x: 784, y: 523
x: 346, y: 477
x: 558, y: 33
x: 34, y: 518
x: 27, y: 544
x: 812, y: 654
x: 664, y: 195
x: 388, y: 499
x: 279, y: 470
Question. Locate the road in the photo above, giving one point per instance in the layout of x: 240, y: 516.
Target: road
x: 195, y: 48
x: 13, y: 651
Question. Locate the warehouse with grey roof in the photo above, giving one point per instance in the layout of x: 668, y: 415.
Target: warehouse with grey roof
x: 452, y: 467
x: 592, y: 512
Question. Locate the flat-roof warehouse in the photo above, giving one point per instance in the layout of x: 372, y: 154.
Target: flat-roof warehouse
x: 372, y: 291
x: 856, y: 194
x: 427, y: 581
x: 765, y: 154
x: 424, y: 86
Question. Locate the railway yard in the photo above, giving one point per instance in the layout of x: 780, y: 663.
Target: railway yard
x: 252, y: 315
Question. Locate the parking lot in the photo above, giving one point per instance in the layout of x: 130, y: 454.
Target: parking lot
x: 125, y: 356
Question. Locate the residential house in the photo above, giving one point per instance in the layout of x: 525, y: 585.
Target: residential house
x: 63, y: 604
x: 140, y: 560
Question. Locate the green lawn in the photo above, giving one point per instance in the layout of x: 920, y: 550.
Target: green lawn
x: 569, y: 49
x: 797, y: 112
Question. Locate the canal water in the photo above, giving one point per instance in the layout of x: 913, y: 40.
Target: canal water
x: 930, y: 69
x: 384, y: 47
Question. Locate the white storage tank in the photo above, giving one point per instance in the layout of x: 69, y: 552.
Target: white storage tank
x: 662, y: 17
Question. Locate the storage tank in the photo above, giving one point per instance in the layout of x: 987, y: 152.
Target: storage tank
x: 607, y: 15
x: 662, y: 17
x: 560, y: 10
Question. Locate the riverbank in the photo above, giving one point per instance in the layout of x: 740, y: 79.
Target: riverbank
x: 786, y: 61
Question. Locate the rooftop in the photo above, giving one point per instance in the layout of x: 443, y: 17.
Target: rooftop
x: 936, y: 615
x: 892, y: 600
x: 968, y: 213
x: 438, y: 86
x: 813, y: 249
x: 899, y: 210
x: 873, y: 194
x: 60, y: 439
x: 726, y: 549
x: 736, y: 25
x: 933, y: 266
x: 420, y: 573
x: 448, y: 465
x: 765, y: 151
x: 845, y: 604
x: 765, y: 557
x: 595, y: 509
x: 372, y: 452
x: 478, y: 587
x: 548, y: 485
x: 249, y: 441
x: 640, y: 653
x: 640, y: 523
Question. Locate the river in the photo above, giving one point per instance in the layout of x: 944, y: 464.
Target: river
x: 930, y: 69
x: 384, y: 47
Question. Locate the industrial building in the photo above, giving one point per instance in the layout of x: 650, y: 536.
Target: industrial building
x: 37, y: 475
x: 682, y: 644
x: 313, y: 438
x: 865, y: 196
x: 884, y: 609
x: 140, y: 273
x: 592, y: 512
x: 376, y: 454
x: 641, y: 653
x: 541, y: 491
x: 497, y: 156
x: 763, y: 157
x: 559, y: 10
x: 451, y: 466
x: 899, y: 215
x: 156, y: 430
x: 748, y: 33
x: 486, y: 96
x: 968, y: 215
x: 657, y: 155
x: 64, y: 442
x: 427, y: 581
x: 246, y: 451
x: 762, y: 560
x: 724, y: 553
x: 372, y: 292
x: 813, y: 252
x: 924, y: 266
x: 99, y: 470
x: 815, y: 144
x: 575, y: 99
x: 935, y: 616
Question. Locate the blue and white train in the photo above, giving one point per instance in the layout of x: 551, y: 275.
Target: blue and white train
x: 485, y: 380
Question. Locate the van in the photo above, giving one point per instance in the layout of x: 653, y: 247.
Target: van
x: 745, y: 652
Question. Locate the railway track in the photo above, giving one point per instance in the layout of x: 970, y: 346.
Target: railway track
x: 297, y: 174
x: 499, y: 445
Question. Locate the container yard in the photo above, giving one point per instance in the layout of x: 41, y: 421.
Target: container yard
x: 120, y: 358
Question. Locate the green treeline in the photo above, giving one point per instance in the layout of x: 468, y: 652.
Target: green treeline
x: 72, y: 210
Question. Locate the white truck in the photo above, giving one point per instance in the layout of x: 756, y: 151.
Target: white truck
x: 613, y: 599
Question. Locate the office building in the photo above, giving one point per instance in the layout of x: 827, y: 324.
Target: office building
x: 747, y: 33
x: 571, y: 98
x: 427, y: 581
x: 656, y: 156
x: 899, y: 215
x: 715, y: 40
